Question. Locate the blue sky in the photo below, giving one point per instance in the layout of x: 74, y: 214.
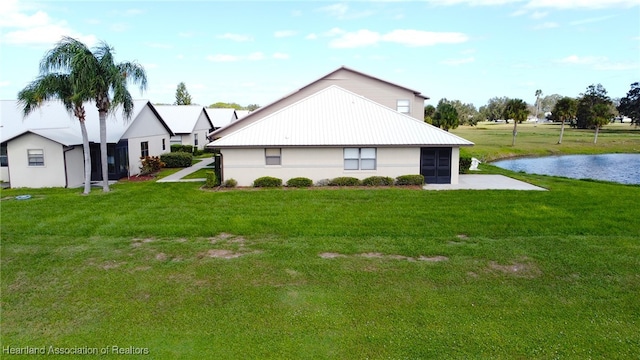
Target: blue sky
x: 256, y: 52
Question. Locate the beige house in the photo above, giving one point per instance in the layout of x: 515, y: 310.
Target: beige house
x: 45, y: 148
x: 335, y: 132
x: 189, y: 123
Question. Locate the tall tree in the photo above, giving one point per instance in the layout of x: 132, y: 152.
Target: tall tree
x: 515, y: 109
x: 630, y: 105
x: 601, y: 115
x: 182, y: 95
x: 565, y: 109
x: 446, y: 116
x: 594, y: 95
x: 538, y: 94
x: 429, y: 111
x: 495, y: 108
x: 105, y: 79
x: 59, y: 86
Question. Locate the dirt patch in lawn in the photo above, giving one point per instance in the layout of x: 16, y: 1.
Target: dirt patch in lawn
x: 524, y: 268
x: 377, y: 255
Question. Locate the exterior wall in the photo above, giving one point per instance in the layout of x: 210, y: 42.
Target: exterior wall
x: 52, y: 174
x: 455, y: 165
x: 155, y: 149
x: 74, y: 161
x: 246, y: 165
x: 202, y: 128
x: 376, y: 90
x: 4, y: 174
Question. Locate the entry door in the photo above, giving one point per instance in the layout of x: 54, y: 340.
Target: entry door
x: 435, y: 165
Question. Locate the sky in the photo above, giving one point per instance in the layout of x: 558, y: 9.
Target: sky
x: 255, y: 52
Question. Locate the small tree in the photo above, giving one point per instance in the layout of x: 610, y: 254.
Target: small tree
x: 182, y: 95
x: 446, y: 116
x: 565, y: 109
x: 429, y: 111
x: 630, y: 105
x: 601, y: 115
x: 594, y: 95
x: 515, y: 109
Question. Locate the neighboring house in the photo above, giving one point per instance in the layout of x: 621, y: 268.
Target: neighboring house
x: 242, y: 113
x: 221, y: 117
x: 45, y: 148
x: 189, y: 123
x: 397, y: 97
x: 335, y: 132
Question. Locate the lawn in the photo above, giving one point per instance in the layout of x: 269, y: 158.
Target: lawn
x: 180, y: 272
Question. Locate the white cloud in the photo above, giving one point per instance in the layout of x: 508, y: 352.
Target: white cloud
x: 180, y: 56
x: 455, y: 62
x: 280, y: 56
x: 341, y: 11
x: 235, y: 37
x: 411, y: 38
x: 537, y: 15
x: 255, y: 56
x: 590, y: 20
x: 119, y: 27
x: 133, y: 12
x: 223, y: 58
x: 333, y: 32
x: 159, y: 45
x: 598, y: 63
x: 4, y: 83
x: 546, y: 25
x: 311, y: 36
x: 575, y: 59
x: 21, y: 27
x: 284, y: 33
x: 474, y: 2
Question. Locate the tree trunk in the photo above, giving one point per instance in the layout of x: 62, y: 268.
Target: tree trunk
x: 561, y: 132
x: 103, y: 150
x: 515, y: 132
x: 87, y: 158
x: 595, y: 140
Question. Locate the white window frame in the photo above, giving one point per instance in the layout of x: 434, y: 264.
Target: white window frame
x: 273, y: 156
x: 360, y: 159
x: 142, y: 150
x: 403, y: 106
x: 33, y: 155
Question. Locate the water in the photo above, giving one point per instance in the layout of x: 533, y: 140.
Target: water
x: 620, y: 168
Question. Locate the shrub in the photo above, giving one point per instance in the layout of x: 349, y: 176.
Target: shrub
x: 344, y: 181
x: 150, y: 165
x: 465, y: 164
x: 377, y: 181
x: 177, y: 159
x: 182, y: 148
x: 299, y: 182
x: 212, y: 180
x: 410, y: 180
x: 267, y: 181
x: 176, y: 147
x: 230, y: 183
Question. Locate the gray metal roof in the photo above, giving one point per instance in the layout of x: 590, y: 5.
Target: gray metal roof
x: 52, y: 121
x: 221, y: 117
x: 337, y: 117
x: 181, y: 119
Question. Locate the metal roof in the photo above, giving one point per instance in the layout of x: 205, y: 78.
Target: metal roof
x: 337, y: 117
x: 53, y: 121
x: 221, y: 117
x: 181, y: 119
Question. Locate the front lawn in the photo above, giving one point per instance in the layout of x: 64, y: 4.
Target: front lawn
x: 314, y: 273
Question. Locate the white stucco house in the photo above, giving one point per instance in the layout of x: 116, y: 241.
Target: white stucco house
x: 45, y: 148
x: 221, y: 117
x: 332, y: 132
x: 190, y: 124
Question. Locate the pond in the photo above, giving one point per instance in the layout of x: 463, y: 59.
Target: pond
x: 620, y: 168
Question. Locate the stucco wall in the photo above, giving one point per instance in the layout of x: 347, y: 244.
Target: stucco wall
x: 246, y: 165
x: 74, y: 159
x: 155, y: 149
x: 52, y: 174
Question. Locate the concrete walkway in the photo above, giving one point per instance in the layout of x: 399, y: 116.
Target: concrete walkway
x: 485, y: 182
x: 178, y: 177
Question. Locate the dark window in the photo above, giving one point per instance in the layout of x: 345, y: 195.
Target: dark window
x: 36, y: 157
x: 144, y: 148
x: 273, y: 156
x: 164, y: 144
x: 4, y: 160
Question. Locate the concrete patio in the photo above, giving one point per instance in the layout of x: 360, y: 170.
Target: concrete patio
x: 485, y: 182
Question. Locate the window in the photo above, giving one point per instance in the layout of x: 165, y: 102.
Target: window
x: 273, y: 156
x: 4, y: 160
x: 403, y: 106
x: 359, y: 158
x: 195, y: 139
x: 164, y: 144
x: 36, y: 157
x: 144, y: 149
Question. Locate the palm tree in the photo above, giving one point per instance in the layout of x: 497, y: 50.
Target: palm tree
x: 105, y: 79
x: 538, y: 94
x: 59, y: 86
x: 517, y: 110
x: 602, y: 115
x: 565, y: 109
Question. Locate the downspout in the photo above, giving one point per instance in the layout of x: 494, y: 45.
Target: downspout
x: 64, y: 158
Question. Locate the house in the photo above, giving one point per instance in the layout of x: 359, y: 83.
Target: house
x: 400, y: 98
x: 189, y: 123
x: 221, y: 117
x: 242, y: 113
x: 45, y: 148
x: 335, y: 132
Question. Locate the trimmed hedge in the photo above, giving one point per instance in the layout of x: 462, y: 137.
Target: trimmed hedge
x: 378, y: 181
x: 465, y: 164
x: 230, y: 183
x: 410, y: 180
x: 212, y: 180
x: 182, y: 148
x: 267, y: 181
x: 176, y: 159
x: 344, y: 181
x: 299, y: 182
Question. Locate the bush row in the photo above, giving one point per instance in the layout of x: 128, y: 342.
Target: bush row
x: 268, y: 181
x: 176, y: 159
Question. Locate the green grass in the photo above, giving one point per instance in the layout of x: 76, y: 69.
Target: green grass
x: 493, y: 140
x: 198, y: 174
x: 523, y: 274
